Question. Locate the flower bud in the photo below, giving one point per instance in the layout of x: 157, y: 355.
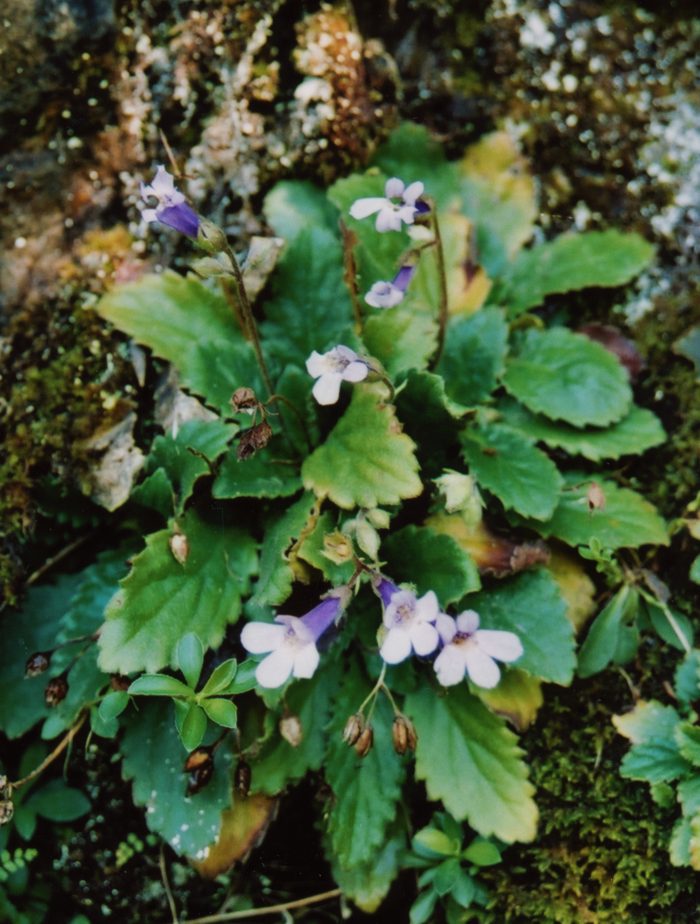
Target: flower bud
x: 253, y: 439
x: 243, y: 775
x: 210, y: 237
x: 354, y: 727
x: 337, y: 548
x: 180, y: 547
x: 56, y: 690
x: 364, y: 743
x: 200, y: 766
x: 37, y: 663
x: 403, y: 734
x: 244, y: 400
x: 291, y: 730
x: 595, y: 497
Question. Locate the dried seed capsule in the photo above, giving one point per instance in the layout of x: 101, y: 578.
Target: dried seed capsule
x: 354, y: 727
x: 244, y: 400
x: 119, y: 682
x: 253, y: 439
x: 56, y: 690
x: 200, y: 766
x: 291, y: 730
x: 243, y: 775
x: 403, y: 734
x: 37, y: 663
x: 364, y: 743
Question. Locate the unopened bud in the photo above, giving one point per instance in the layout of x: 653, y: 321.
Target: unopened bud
x: 119, y: 682
x: 337, y: 547
x: 56, y: 690
x: 210, y: 237
x: 291, y: 730
x: 364, y: 743
x: 243, y: 776
x: 244, y: 400
x: 200, y: 766
x: 253, y: 439
x: 354, y: 727
x: 403, y: 734
x: 595, y: 497
x: 180, y: 547
x: 37, y: 663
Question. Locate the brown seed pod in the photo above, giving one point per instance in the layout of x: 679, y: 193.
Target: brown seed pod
x: 243, y: 776
x: 354, y: 727
x: 37, y: 663
x: 56, y: 690
x: 403, y: 734
x: 364, y: 743
x: 200, y: 766
x: 244, y: 400
x: 253, y: 439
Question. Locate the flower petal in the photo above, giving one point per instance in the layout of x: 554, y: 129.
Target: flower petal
x: 306, y: 661
x: 259, y: 637
x: 361, y: 208
x: 275, y: 670
x: 316, y: 364
x: 506, y: 646
x: 407, y: 214
x: 327, y: 388
x: 394, y: 188
x: 396, y: 646
x: 424, y: 638
x: 468, y: 622
x: 446, y: 626
x: 449, y: 666
x: 388, y: 220
x: 149, y: 215
x: 356, y: 371
x: 427, y: 608
x: 412, y: 192
x: 482, y: 669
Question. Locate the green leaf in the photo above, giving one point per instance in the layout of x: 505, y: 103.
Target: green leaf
x: 602, y: 640
x: 531, y: 605
x: 160, y: 599
x: 431, y: 561
x: 482, y: 853
x: 687, y: 738
x: 310, y: 306
x: 634, y: 434
x: 474, y: 355
x: 687, y: 678
x: 269, y: 473
x: 366, y: 460
x: 431, y: 843
x: 221, y: 678
x: 506, y: 463
x: 59, y: 802
x: 695, y: 571
x: 446, y: 876
x: 366, y: 789
x: 480, y: 775
x: 669, y: 623
x: 574, y: 261
x: 278, y: 763
x: 627, y: 520
x: 679, y: 847
x: 194, y: 727
x: 312, y: 551
x: 113, y: 704
x: 189, y: 657
x: 411, y: 153
x: 156, y: 492
x: 654, y: 755
x: 188, y: 823
x: 567, y: 376
x: 221, y: 711
x: 367, y: 883
x: 401, y: 339
x: 191, y: 326
x: 293, y: 206
x: 430, y: 418
x: 276, y: 574
x: 159, y: 685
x: 423, y: 907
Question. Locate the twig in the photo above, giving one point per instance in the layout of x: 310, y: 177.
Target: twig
x: 57, y: 751
x: 166, y: 886
x: 272, y: 909
x: 59, y: 556
x: 443, y: 307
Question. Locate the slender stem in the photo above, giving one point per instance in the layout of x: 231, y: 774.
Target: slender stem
x: 234, y: 302
x: 166, y: 886
x: 375, y: 688
x: 59, y: 556
x: 272, y: 909
x: 442, y: 277
x: 297, y: 413
x: 387, y: 692
x: 57, y: 751
x: 247, y: 312
x: 350, y: 273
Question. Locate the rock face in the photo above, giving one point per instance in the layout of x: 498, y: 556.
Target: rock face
x: 36, y: 39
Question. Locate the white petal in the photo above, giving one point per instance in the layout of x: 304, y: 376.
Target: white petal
x: 396, y: 646
x: 424, y: 638
x: 276, y: 668
x: 468, y: 622
x: 482, y: 669
x: 361, y: 208
x: 306, y: 661
x: 298, y: 627
x: 258, y: 637
x: 344, y: 353
x: 446, y: 627
x: 394, y: 188
x: 413, y: 192
x: 388, y: 220
x: 449, y: 666
x: 327, y: 388
x: 149, y: 214
x: 407, y: 214
x: 427, y: 608
x: 163, y: 183
x: 379, y: 294
x: 506, y: 646
x: 401, y: 598
x: 356, y: 372
x: 316, y: 364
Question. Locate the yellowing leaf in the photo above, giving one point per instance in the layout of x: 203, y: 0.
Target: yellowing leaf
x: 577, y: 589
x: 243, y: 826
x: 517, y: 698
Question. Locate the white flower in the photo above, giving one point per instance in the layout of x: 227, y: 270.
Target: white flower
x: 409, y: 624
x: 172, y: 209
x: 473, y: 651
x: 341, y: 364
x: 292, y: 647
x: 384, y: 295
x: 390, y: 213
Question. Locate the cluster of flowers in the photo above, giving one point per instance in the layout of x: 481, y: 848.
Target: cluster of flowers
x: 410, y: 625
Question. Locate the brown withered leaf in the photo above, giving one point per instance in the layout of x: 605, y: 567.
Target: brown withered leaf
x: 612, y: 338
x: 243, y: 827
x: 119, y: 461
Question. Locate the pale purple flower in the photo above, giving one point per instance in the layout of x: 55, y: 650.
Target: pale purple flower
x: 389, y: 294
x: 291, y: 641
x: 172, y: 208
x: 341, y: 364
x: 473, y: 651
x: 397, y: 205
x: 408, y: 622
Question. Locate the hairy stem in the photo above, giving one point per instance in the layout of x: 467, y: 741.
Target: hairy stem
x: 57, y: 751
x: 442, y: 277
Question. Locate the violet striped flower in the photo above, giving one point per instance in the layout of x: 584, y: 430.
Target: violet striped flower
x: 409, y: 622
x: 172, y: 209
x: 389, y: 294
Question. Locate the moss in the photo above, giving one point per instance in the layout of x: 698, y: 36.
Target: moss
x: 601, y: 853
